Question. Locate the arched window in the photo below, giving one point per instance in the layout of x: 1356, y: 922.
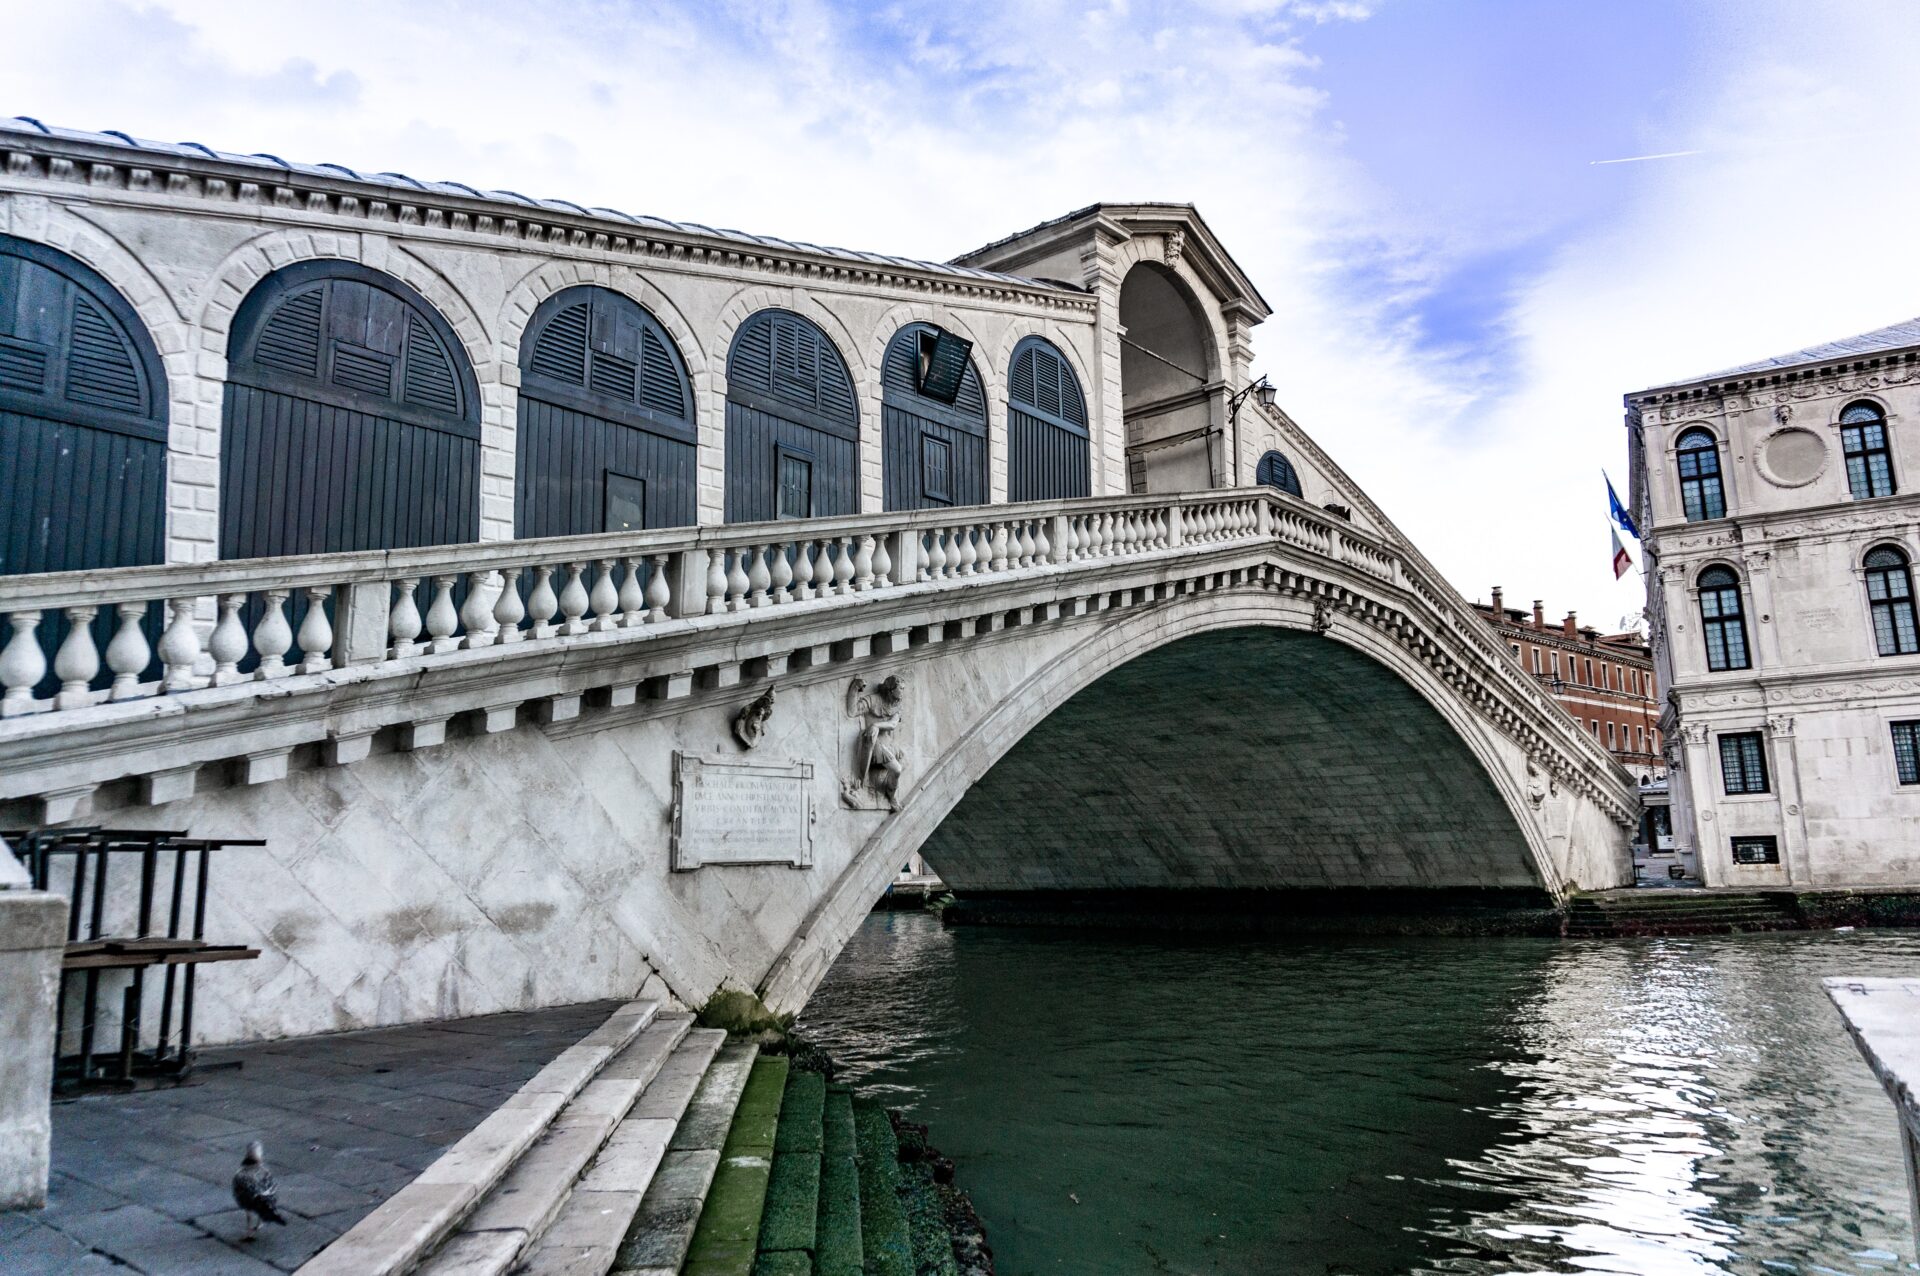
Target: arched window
x: 606, y: 437
x: 1699, y: 463
x: 351, y: 421
x: 1047, y: 442
x: 83, y: 430
x: 1722, y: 620
x: 1275, y: 470
x: 793, y: 423
x: 1890, y: 598
x: 933, y: 421
x: 1863, y: 441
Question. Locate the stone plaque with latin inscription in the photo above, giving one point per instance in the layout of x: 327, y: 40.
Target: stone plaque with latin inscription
x: 730, y: 811
x: 1820, y: 619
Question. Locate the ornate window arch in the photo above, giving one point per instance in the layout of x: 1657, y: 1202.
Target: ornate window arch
x: 1723, y: 619
x: 606, y: 435
x: 1048, y: 457
x: 1697, y: 458
x: 793, y: 422
x: 1275, y: 470
x: 1863, y: 442
x: 1890, y: 601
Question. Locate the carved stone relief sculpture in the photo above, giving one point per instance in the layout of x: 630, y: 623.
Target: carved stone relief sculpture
x: 879, y: 758
x: 750, y: 724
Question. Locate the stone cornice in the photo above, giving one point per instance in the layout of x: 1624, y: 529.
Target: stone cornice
x: 1833, y: 520
x: 65, y: 168
x: 1706, y: 395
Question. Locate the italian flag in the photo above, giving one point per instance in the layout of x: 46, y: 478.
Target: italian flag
x: 1620, y: 560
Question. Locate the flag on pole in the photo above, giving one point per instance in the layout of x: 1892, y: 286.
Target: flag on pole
x: 1619, y: 511
x: 1620, y: 560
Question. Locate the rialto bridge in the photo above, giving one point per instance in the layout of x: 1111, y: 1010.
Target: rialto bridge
x: 579, y: 603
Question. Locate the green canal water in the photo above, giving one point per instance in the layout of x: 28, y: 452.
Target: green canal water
x: 1352, y: 1107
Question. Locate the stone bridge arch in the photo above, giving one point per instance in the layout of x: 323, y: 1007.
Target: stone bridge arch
x: 1460, y: 791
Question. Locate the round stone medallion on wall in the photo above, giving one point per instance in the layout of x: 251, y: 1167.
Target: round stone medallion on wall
x: 1792, y: 457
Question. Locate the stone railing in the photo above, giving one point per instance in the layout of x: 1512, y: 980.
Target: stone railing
x: 175, y: 630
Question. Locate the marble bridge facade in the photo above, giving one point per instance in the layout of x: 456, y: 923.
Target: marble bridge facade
x: 527, y: 771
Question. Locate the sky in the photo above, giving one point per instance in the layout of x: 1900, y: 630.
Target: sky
x: 1447, y: 202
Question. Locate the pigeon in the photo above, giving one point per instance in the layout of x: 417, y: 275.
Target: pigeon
x: 253, y: 1189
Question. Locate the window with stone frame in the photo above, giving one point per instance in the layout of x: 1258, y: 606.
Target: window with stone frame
x: 1890, y: 599
x: 1863, y: 441
x: 1743, y: 763
x: 1906, y: 751
x: 1722, y: 620
x: 1698, y: 460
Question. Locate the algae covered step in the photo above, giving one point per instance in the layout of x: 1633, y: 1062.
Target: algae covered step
x: 838, y: 1249
x: 727, y: 1238
x: 883, y: 1219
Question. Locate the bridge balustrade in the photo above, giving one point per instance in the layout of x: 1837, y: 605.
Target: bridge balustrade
x: 330, y: 611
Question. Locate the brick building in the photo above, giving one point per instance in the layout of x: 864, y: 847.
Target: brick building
x: 1605, y: 681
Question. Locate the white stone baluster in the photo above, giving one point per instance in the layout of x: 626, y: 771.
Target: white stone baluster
x: 738, y: 582
x: 997, y: 548
x: 573, y: 601
x: 476, y: 613
x: 759, y: 577
x: 403, y: 622
x: 543, y: 604
x: 633, y: 599
x: 863, y: 565
x: 179, y: 646
x: 127, y: 652
x: 659, y: 593
x: 1042, y: 543
x: 77, y: 660
x: 442, y: 619
x: 508, y: 610
x: 780, y: 573
x: 272, y: 637
x: 1020, y: 551
x: 228, y: 645
x: 605, y: 600
x: 803, y: 571
x: 22, y: 664
x: 716, y: 581
x: 843, y: 566
x: 882, y: 563
x: 936, y: 556
x: 316, y: 632
x: 969, y: 555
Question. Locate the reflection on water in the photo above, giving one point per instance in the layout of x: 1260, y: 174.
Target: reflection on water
x: 1387, y: 1106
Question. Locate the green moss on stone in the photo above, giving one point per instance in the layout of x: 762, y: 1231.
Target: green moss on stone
x: 757, y: 1119
x: 742, y: 1013
x: 801, y: 1112
x: 927, y: 1225
x: 883, y: 1222
x: 793, y: 1202
x: 838, y: 1251
x: 727, y: 1237
x: 783, y: 1263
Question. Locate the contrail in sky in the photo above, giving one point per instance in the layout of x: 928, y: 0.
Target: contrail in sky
x: 1635, y: 159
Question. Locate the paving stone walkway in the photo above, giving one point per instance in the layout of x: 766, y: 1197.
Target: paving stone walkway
x: 141, y: 1181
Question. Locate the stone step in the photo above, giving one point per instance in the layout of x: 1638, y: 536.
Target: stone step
x: 585, y: 1236
x: 661, y: 1232
x: 727, y: 1237
x: 838, y: 1251
x: 884, y: 1236
x: 394, y: 1238
x: 524, y: 1203
x: 790, y: 1222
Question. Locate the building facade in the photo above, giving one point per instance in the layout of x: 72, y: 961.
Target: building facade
x: 1779, y: 537
x: 1605, y: 682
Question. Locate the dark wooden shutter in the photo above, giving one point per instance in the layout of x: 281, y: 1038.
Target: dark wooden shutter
x: 1048, y: 455
x: 606, y: 410
x: 351, y: 419
x: 788, y: 390
x: 912, y: 424
x: 1274, y: 470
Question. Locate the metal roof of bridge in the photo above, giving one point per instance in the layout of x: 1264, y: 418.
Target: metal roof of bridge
x: 195, y: 150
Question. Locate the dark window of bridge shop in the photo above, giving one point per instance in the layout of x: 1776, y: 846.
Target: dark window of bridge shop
x: 796, y: 485
x: 1698, y: 459
x: 789, y: 394
x: 352, y: 419
x: 933, y: 421
x: 1743, y: 763
x: 1275, y: 470
x: 1723, y: 623
x: 1890, y: 599
x: 1906, y: 751
x: 1047, y: 439
x: 1863, y: 440
x: 605, y: 438
x: 83, y: 432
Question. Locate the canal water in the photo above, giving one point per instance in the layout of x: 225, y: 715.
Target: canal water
x: 1346, y: 1108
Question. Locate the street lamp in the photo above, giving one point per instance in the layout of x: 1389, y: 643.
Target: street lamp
x: 1263, y: 387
